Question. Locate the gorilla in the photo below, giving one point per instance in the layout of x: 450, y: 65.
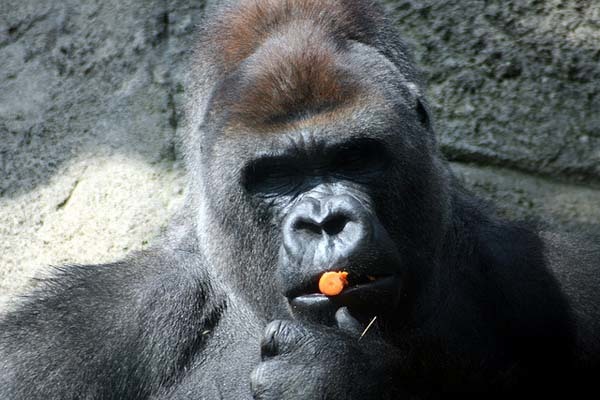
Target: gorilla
x: 310, y: 148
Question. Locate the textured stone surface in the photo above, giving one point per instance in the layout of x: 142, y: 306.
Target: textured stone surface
x: 90, y: 95
x: 554, y: 205
x: 513, y: 83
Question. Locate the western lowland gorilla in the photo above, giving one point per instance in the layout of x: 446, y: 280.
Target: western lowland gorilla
x: 309, y: 149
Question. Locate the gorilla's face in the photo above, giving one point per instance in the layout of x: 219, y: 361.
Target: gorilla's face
x: 331, y: 224
x: 349, y: 187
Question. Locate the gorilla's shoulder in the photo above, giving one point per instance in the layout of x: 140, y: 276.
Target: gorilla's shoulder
x: 163, y: 279
x: 575, y: 261
x: 140, y: 319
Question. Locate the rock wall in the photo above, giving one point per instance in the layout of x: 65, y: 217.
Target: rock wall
x: 89, y: 108
x: 515, y: 91
x: 90, y: 105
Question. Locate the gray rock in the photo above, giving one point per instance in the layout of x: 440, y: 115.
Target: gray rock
x: 512, y: 83
x: 550, y: 204
x: 89, y: 109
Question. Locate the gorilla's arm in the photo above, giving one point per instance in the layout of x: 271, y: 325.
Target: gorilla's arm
x: 526, y: 301
x: 111, y: 331
x: 576, y: 266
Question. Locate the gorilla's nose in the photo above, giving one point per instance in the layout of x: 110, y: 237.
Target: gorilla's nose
x: 326, y: 229
x: 328, y: 225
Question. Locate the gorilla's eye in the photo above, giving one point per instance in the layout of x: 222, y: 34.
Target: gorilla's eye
x: 360, y: 157
x: 270, y: 177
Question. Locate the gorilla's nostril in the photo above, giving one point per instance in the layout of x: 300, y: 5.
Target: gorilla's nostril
x: 307, y: 227
x: 335, y: 224
x: 331, y: 226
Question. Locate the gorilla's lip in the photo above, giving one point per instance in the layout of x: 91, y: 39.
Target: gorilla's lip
x: 382, y: 291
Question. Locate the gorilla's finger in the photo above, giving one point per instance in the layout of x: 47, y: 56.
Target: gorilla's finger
x: 347, y: 322
x: 281, y: 336
x: 263, y: 380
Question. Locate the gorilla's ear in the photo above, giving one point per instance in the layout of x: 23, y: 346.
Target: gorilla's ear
x: 423, y: 114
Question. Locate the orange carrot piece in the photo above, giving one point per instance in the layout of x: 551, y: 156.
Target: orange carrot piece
x: 332, y: 283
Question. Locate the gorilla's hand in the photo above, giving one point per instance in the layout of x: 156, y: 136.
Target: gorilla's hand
x: 301, y: 361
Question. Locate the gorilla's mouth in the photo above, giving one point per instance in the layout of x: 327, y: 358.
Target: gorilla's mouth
x: 364, y: 293
x: 356, y: 283
x: 362, y: 288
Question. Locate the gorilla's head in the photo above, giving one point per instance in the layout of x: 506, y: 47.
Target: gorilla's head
x: 311, y: 150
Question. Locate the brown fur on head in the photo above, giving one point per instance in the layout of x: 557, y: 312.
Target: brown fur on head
x: 298, y: 73
x: 242, y: 28
x: 283, y: 59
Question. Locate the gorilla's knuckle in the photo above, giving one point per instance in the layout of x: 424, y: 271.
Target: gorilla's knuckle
x: 282, y: 333
x: 259, y: 378
x: 270, y: 340
x: 274, y: 329
x: 264, y: 379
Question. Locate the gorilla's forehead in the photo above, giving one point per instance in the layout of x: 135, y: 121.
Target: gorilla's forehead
x: 244, y: 25
x: 284, y: 62
x: 287, y: 88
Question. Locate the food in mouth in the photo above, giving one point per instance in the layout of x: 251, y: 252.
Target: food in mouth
x: 332, y: 283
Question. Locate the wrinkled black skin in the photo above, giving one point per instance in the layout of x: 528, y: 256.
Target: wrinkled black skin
x: 485, y: 305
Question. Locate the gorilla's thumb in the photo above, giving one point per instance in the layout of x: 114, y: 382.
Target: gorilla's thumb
x: 346, y: 322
